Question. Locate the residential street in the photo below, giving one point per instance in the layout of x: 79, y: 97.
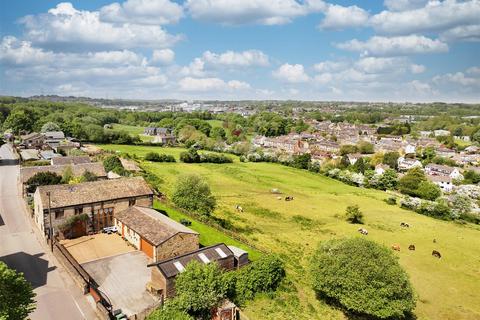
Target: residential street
x: 23, y: 249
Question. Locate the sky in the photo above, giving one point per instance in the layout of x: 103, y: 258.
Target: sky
x: 391, y: 50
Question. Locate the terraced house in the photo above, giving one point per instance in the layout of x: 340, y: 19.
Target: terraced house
x: 98, y: 200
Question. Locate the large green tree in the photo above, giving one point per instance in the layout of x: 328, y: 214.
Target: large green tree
x: 410, y: 182
x: 363, y: 277
x: 16, y: 295
x: 199, y: 289
x: 19, y: 120
x: 193, y: 193
x: 42, y: 179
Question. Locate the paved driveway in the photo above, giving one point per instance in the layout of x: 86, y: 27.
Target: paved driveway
x: 123, y: 278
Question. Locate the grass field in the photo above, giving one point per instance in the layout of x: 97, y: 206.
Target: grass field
x: 132, y: 130
x: 447, y: 288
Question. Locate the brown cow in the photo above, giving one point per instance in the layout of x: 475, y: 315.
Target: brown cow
x: 436, y: 254
x: 396, y: 247
x: 411, y: 247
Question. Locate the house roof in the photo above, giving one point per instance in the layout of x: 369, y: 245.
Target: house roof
x: 439, y: 178
x: 29, y: 154
x: 92, y: 192
x: 77, y: 170
x: 55, y: 135
x: 237, y: 252
x: 71, y: 160
x: 32, y: 135
x: 440, y: 167
x: 151, y: 225
x: 130, y: 165
x: 173, y: 266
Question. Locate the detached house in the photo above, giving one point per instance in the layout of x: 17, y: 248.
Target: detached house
x: 442, y: 170
x: 444, y: 182
x: 99, y: 200
x: 407, y: 164
x: 33, y: 140
x: 158, y: 236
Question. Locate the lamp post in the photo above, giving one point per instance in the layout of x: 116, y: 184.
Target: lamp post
x: 50, y: 218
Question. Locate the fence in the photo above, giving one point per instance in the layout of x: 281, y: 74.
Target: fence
x: 90, y: 286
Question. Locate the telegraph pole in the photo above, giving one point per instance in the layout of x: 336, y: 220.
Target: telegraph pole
x: 50, y: 218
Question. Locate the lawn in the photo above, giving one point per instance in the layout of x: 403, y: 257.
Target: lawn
x: 132, y: 130
x: 447, y: 288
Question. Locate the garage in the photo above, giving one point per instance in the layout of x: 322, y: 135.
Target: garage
x: 146, y: 247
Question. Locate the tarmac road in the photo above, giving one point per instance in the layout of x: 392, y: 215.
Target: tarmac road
x: 23, y: 248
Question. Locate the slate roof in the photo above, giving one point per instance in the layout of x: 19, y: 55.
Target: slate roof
x: 54, y: 135
x: 93, y: 192
x: 169, y: 269
x: 151, y: 225
x: 77, y: 170
x: 71, y: 160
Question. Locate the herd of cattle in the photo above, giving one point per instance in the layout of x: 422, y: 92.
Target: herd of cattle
x: 411, y: 247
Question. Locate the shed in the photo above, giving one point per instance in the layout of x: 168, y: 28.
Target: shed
x: 241, y: 256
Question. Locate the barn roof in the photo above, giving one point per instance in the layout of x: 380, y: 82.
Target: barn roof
x: 92, y: 192
x: 172, y: 267
x: 77, y: 170
x: 71, y: 160
x: 151, y: 225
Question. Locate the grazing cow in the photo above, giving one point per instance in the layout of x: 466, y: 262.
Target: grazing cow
x: 279, y: 198
x: 396, y: 247
x: 239, y: 208
x: 404, y: 224
x: 411, y: 247
x: 288, y: 198
x: 436, y: 254
x: 363, y: 231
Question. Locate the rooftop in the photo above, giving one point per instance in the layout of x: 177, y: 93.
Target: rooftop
x: 92, y: 192
x: 171, y: 267
x: 153, y: 226
x: 71, y: 160
x: 77, y: 170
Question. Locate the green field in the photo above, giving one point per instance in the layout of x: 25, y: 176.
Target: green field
x: 132, y: 130
x: 447, y: 288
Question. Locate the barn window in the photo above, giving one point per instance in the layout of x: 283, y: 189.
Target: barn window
x: 58, y: 214
x: 79, y: 210
x: 132, y: 202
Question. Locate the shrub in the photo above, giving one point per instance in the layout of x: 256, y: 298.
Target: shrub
x: 169, y: 312
x: 428, y: 191
x: 354, y: 215
x: 391, y: 201
x: 156, y: 157
x: 42, y: 179
x: 363, y: 277
x: 263, y: 275
x: 193, y: 193
x: 113, y: 163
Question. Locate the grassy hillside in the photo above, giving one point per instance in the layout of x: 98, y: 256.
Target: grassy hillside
x: 447, y: 288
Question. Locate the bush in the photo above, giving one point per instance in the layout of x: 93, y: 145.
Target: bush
x: 169, y: 312
x: 42, y: 179
x: 192, y: 156
x: 193, y: 193
x: 263, y: 275
x: 156, y: 157
x: 391, y: 201
x: 113, y: 163
x: 428, y: 191
x: 363, y: 277
x: 354, y: 215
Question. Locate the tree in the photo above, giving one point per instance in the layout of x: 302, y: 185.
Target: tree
x: 191, y: 156
x: 461, y: 205
x: 88, y: 176
x: 42, y: 179
x: 16, y: 294
x: 363, y: 277
x: 19, y: 120
x: 391, y: 159
x: 353, y: 214
x: 218, y: 133
x: 50, y: 126
x: 365, y: 147
x: 67, y: 175
x: 359, y: 166
x: 169, y: 311
x: 348, y: 148
x: 301, y: 161
x: 193, y: 193
x: 200, y: 288
x: 388, y: 180
x: 409, y: 183
x: 113, y: 163
x: 428, y: 190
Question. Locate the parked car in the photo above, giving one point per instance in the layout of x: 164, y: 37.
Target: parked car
x: 109, y: 230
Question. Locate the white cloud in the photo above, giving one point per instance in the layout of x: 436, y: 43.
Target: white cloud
x: 458, y: 78
x: 474, y: 70
x: 155, y: 12
x: 462, y: 33
x: 434, y: 16
x: 17, y: 52
x: 210, y: 84
x: 403, y: 5
x: 65, y: 26
x: 236, y: 59
x: 417, y: 68
x: 395, y: 46
x: 236, y: 12
x: 339, y: 17
x: 163, y: 56
x: 327, y: 66
x: 292, y: 73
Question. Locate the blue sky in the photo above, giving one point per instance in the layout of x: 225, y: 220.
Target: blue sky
x: 395, y: 50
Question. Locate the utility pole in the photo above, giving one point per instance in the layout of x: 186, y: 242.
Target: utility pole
x: 51, y: 226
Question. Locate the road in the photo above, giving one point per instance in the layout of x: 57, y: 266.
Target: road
x: 23, y: 248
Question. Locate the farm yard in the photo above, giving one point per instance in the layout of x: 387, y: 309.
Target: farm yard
x: 447, y: 288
